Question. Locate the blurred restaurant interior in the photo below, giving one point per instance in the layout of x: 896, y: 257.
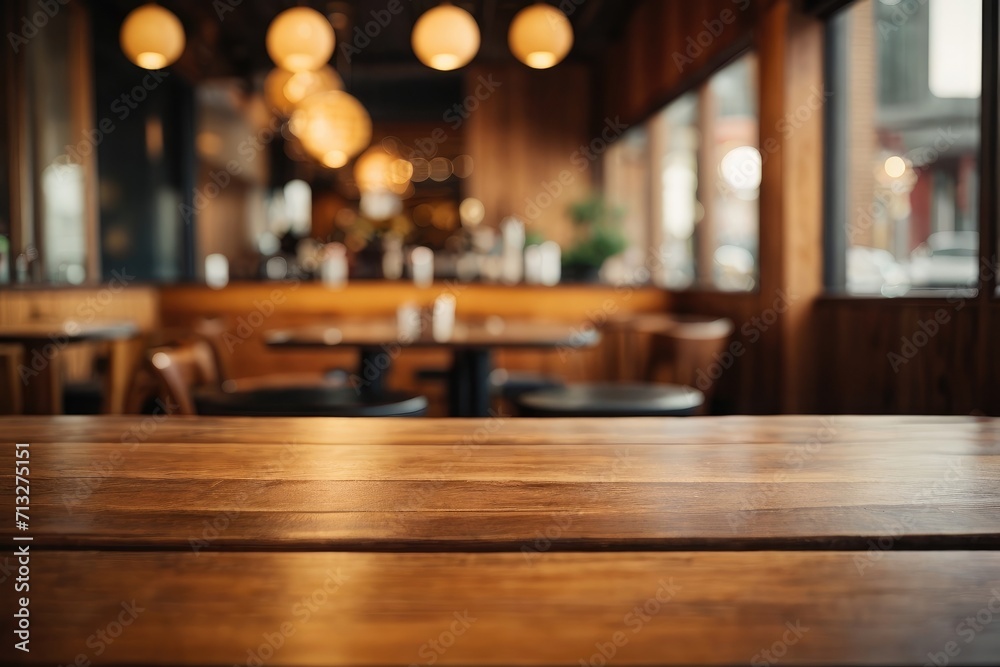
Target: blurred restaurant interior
x: 810, y: 174
x: 219, y: 218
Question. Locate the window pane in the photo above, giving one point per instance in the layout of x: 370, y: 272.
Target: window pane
x: 908, y: 127
x: 675, y: 141
x: 626, y: 183
x: 693, y: 170
x: 59, y: 237
x: 728, y: 234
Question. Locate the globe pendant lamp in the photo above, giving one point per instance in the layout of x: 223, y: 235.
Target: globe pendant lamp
x: 446, y: 37
x: 540, y: 36
x: 284, y: 90
x: 333, y: 127
x: 300, y: 39
x: 152, y: 37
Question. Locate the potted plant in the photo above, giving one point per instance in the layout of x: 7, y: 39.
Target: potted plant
x: 599, y: 236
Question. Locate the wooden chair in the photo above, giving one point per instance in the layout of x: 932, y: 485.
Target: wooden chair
x: 213, y: 330
x: 181, y: 368
x: 678, y: 377
x: 11, y: 401
x: 685, y: 352
x: 188, y: 377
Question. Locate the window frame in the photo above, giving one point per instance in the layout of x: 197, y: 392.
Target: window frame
x: 835, y: 158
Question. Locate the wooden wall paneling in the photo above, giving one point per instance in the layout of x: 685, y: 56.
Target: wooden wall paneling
x: 799, y: 133
x: 990, y: 386
x: 772, y: 52
x: 83, y: 121
x: 671, y: 31
x: 524, y: 137
x: 22, y: 202
x: 661, y: 53
x: 876, y: 356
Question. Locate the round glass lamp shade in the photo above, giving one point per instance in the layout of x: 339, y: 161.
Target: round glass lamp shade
x: 284, y: 90
x: 300, y: 39
x: 333, y: 127
x: 540, y: 36
x: 445, y: 38
x: 152, y: 37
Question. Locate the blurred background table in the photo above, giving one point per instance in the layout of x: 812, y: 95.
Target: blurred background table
x: 471, y: 345
x: 39, y: 369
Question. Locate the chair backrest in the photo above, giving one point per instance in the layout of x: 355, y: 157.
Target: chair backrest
x: 182, y: 367
x: 685, y: 353
x: 214, y: 331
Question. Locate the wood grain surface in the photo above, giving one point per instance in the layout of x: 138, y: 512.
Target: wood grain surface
x: 684, y: 608
x: 511, y: 484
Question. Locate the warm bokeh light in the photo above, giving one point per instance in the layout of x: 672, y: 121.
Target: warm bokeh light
x: 540, y: 36
x: 895, y: 166
x: 378, y: 169
x: 334, y: 159
x: 333, y: 127
x: 284, y: 90
x: 440, y: 169
x: 742, y: 168
x: 463, y: 166
x: 152, y: 37
x: 472, y: 211
x: 380, y: 204
x: 446, y: 38
x: 400, y: 172
x: 300, y: 39
x: 421, y: 170
x: 371, y: 171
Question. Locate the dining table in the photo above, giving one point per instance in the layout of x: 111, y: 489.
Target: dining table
x: 41, y: 371
x: 792, y: 540
x: 470, y: 341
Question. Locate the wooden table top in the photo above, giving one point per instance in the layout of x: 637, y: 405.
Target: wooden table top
x: 683, y: 608
x: 70, y: 330
x: 492, y: 332
x: 509, y: 485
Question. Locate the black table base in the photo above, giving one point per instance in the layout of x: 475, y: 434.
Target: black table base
x: 469, y: 383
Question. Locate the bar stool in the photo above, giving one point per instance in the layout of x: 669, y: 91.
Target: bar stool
x: 307, y: 402
x: 611, y: 400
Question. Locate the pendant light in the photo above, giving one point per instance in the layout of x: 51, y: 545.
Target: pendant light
x: 540, y: 36
x: 152, y: 37
x: 300, y: 39
x: 284, y: 90
x: 333, y: 127
x: 446, y: 37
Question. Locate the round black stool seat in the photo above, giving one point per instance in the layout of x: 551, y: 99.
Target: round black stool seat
x: 307, y: 402
x: 511, y: 384
x: 611, y: 400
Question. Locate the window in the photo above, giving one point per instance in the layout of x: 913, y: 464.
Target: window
x: 903, y: 177
x: 689, y: 182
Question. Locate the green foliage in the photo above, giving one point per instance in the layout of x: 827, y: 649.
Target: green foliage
x: 595, y: 211
x: 533, y: 237
x: 599, y: 228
